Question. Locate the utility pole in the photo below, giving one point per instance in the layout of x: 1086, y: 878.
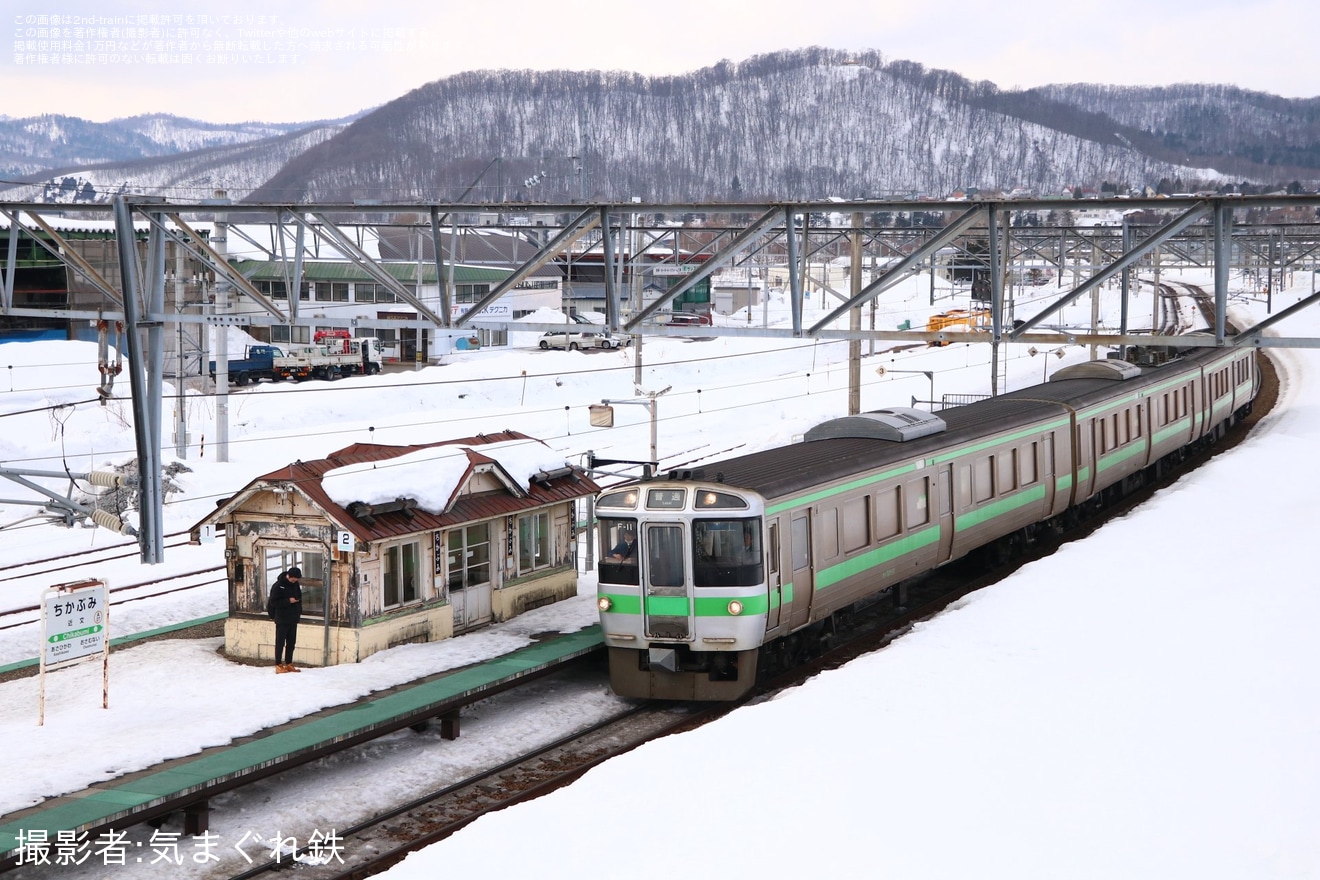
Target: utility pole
x: 180, y: 376
x: 855, y: 320
x: 220, y: 243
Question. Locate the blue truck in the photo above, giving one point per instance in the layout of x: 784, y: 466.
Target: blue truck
x: 257, y: 363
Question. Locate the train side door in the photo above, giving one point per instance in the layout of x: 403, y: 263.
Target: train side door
x: 774, y: 577
x: 944, y: 489
x: 804, y: 574
x: 1045, y: 463
x: 666, y: 603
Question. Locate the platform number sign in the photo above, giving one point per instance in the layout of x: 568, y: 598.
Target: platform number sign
x: 345, y: 541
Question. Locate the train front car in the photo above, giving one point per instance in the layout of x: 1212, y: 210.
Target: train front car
x: 682, y: 591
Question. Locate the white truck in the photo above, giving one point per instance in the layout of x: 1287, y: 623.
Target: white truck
x: 332, y: 354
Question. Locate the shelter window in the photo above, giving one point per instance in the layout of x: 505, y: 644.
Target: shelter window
x: 469, y: 556
x: 533, y: 542
x: 400, y: 566
x: 281, y: 559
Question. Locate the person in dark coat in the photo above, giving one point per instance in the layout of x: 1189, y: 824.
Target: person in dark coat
x: 286, y: 608
x: 624, y: 550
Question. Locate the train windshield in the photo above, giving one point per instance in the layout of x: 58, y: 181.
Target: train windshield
x: 727, y: 552
x: 618, y: 551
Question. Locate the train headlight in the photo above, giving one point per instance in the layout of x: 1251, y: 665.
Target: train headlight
x: 604, y: 603
x: 735, y: 607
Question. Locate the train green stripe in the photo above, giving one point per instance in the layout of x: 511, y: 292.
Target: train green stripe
x: 879, y: 556
x: 624, y: 604
x: 677, y: 606
x: 718, y: 606
x: 1033, y: 431
x: 803, y: 500
x: 1003, y: 506
x: 667, y: 606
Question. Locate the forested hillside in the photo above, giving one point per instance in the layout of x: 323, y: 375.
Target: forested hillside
x: 806, y: 124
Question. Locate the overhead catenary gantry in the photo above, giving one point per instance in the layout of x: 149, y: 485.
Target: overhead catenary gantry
x: 880, y: 242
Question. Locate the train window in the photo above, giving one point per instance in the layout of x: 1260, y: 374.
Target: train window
x: 886, y: 514
x: 916, y: 496
x: 1026, y: 457
x: 618, y: 551
x: 664, y: 555
x: 983, y: 479
x: 709, y: 499
x: 1004, y: 478
x: 774, y: 548
x: 727, y: 553
x: 829, y: 533
x: 626, y: 499
x: 801, y: 538
x: 856, y: 523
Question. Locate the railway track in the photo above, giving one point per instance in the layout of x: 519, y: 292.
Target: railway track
x: 28, y: 615
x: 376, y: 844
x: 68, y: 561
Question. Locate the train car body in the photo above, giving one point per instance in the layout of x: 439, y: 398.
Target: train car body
x: 745, y: 561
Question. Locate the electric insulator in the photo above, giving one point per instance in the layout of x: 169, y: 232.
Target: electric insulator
x: 105, y: 478
x: 107, y: 520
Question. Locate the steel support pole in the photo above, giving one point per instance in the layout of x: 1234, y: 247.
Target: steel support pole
x: 150, y: 537
x: 1223, y: 252
x: 794, y: 278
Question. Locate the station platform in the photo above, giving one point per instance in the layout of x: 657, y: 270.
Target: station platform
x: 187, y: 783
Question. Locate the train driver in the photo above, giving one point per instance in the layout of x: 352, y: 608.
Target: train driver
x: 626, y: 549
x: 749, y: 551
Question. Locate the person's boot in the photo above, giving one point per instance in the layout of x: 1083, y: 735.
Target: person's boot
x: 291, y: 668
x: 281, y: 667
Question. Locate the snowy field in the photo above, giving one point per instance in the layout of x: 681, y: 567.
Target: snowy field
x: 1037, y: 729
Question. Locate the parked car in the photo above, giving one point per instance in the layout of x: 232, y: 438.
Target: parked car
x: 683, y: 319
x: 582, y: 334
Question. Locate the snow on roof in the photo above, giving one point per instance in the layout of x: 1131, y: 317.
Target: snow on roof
x: 431, y: 476
x: 68, y: 224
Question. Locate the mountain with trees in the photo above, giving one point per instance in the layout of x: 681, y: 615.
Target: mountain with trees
x: 796, y: 125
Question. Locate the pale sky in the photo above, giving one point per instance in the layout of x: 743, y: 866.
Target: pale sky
x: 280, y: 61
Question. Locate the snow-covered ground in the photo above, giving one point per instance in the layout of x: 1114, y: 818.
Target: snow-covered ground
x: 1141, y: 704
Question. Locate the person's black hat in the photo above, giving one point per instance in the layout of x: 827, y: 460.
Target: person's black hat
x: 294, y: 572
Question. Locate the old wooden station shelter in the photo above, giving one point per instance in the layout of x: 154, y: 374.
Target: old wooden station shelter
x: 400, y: 544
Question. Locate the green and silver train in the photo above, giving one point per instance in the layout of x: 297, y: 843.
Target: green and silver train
x: 707, y: 575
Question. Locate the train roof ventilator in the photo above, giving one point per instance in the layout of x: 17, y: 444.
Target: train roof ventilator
x: 897, y: 423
